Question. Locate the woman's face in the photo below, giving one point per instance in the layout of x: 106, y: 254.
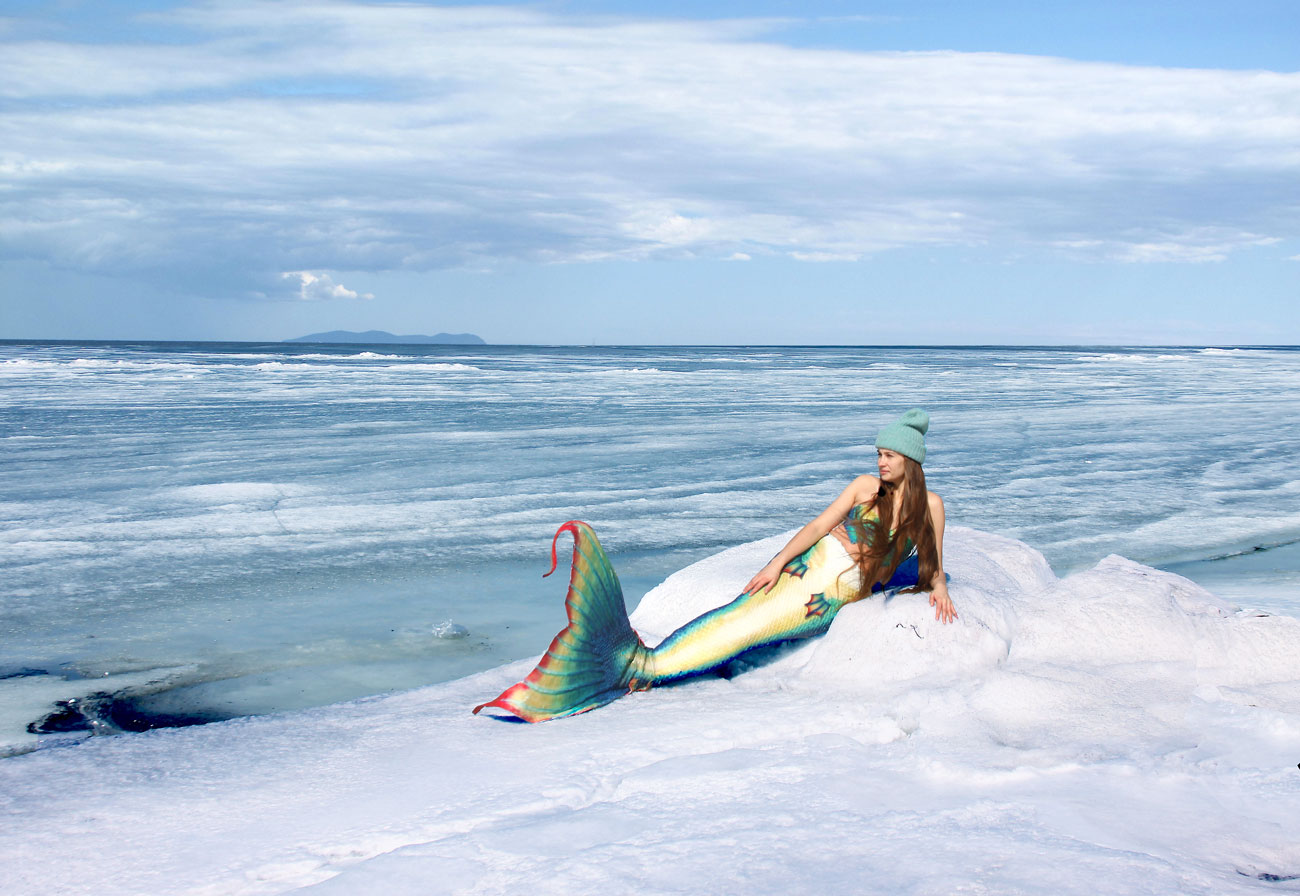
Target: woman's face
x: 890, y: 464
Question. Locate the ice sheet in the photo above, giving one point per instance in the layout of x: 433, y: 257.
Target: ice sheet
x: 1119, y: 730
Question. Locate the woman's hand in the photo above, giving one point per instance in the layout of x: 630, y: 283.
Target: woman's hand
x: 765, y: 578
x: 942, y: 603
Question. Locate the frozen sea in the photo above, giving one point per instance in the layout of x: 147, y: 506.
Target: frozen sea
x: 200, y: 531
x: 255, y: 532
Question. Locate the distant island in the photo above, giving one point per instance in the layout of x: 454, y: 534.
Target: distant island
x: 372, y: 337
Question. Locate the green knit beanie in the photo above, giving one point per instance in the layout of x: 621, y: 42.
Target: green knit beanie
x: 906, y: 435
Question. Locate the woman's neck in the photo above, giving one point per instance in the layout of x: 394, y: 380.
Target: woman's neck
x: 893, y: 493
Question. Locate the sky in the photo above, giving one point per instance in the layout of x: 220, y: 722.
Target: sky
x: 921, y: 172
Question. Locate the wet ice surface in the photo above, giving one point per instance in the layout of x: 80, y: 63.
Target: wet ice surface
x: 1265, y: 578
x: 206, y: 531
x: 1118, y: 730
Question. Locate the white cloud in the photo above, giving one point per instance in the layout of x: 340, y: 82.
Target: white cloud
x: 376, y: 137
x: 314, y: 287
x: 1189, y: 247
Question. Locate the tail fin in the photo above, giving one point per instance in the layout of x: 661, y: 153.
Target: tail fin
x: 591, y: 662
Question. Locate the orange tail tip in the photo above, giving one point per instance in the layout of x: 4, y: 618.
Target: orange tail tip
x: 503, y: 702
x: 572, y: 528
x: 522, y: 712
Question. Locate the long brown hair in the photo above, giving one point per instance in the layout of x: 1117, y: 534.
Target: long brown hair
x: 876, y: 544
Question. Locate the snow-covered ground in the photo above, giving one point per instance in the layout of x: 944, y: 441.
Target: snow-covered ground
x: 1117, y: 731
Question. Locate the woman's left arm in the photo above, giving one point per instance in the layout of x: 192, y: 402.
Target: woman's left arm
x: 939, y: 599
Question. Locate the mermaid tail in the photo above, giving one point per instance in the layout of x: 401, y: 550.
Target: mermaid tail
x: 599, y: 657
x: 800, y: 604
x: 595, y: 659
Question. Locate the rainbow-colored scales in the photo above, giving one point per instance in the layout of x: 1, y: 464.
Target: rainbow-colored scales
x: 599, y: 657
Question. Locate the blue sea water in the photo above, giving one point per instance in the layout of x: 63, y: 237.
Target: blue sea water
x: 194, y: 531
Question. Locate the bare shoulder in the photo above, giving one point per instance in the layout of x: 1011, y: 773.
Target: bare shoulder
x: 935, y: 502
x: 865, y: 488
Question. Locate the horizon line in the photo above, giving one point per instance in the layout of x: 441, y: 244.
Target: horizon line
x: 568, y: 345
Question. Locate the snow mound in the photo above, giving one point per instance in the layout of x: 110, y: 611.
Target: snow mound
x: 1119, y: 619
x: 897, y: 638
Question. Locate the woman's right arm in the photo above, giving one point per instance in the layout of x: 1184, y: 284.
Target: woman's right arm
x: 860, y: 491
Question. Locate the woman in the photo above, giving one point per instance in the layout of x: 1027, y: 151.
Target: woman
x: 857, y: 545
